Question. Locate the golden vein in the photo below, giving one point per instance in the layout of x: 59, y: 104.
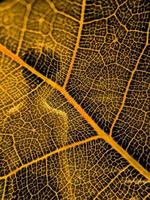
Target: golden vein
x: 24, y: 27
x: 80, y: 110
x: 129, y: 83
x: 112, y: 180
x: 77, y: 43
x: 64, y: 148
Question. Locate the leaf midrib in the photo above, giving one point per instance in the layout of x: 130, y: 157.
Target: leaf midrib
x: 101, y: 134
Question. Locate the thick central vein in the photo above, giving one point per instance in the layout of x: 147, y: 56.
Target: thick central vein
x: 81, y: 111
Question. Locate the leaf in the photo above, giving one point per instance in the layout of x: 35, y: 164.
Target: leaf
x: 74, y: 99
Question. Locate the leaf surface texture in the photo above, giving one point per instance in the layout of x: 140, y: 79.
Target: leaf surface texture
x: 75, y: 93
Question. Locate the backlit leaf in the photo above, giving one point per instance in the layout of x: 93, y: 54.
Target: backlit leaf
x: 75, y: 99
